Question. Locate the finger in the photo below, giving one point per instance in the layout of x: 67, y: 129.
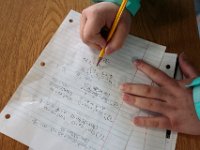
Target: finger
x: 146, y: 91
x: 155, y: 74
x: 118, y: 38
x: 94, y: 46
x: 99, y: 40
x: 185, y: 82
x: 82, y: 25
x: 91, y: 33
x: 90, y: 44
x: 147, y: 104
x: 153, y: 122
x: 188, y: 70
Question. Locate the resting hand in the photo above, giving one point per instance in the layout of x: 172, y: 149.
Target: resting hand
x: 171, y: 100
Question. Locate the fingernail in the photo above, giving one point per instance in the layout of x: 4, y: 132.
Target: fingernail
x: 108, y: 51
x: 103, y: 45
x: 134, y: 59
x: 137, y: 62
x: 126, y: 98
x: 184, y: 56
x: 122, y: 87
x: 123, y: 96
x: 136, y: 121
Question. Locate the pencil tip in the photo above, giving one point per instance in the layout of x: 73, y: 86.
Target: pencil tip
x: 99, y: 60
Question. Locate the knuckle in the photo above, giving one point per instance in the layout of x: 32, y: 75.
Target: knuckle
x: 130, y: 88
x: 92, y: 11
x: 136, y: 102
x: 153, y: 106
x: 115, y: 46
x: 175, y: 124
x: 118, y: 45
x: 141, y: 65
x: 174, y: 108
x: 155, y: 124
x: 174, y: 83
x: 148, y: 90
x: 84, y: 11
x: 150, y: 104
x: 85, y: 40
x: 125, y: 27
x: 155, y: 72
x: 87, y: 36
x: 145, y: 123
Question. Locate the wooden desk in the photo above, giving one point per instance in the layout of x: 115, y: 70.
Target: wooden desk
x: 26, y: 26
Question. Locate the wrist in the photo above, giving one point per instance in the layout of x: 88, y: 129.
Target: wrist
x: 132, y: 5
x: 195, y: 84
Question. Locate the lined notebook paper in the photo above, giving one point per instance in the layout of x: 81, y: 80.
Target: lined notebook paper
x: 66, y: 102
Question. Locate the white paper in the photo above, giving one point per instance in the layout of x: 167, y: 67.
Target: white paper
x: 66, y: 102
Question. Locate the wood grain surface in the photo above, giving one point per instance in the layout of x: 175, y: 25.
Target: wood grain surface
x: 26, y: 26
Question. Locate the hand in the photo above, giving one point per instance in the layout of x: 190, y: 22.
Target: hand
x: 172, y: 100
x: 100, y: 15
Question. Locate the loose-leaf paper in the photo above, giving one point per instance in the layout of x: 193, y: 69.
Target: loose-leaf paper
x: 67, y: 102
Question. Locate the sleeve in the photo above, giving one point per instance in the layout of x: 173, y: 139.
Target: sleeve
x: 133, y: 5
x: 195, y: 85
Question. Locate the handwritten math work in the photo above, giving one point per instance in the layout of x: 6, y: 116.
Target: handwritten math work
x: 65, y: 101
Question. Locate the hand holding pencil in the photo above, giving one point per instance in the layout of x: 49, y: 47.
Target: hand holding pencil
x: 97, y: 16
x: 113, y: 28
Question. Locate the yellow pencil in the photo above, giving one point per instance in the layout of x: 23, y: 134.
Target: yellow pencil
x: 114, y: 26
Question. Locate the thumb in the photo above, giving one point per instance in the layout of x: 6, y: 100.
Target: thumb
x: 188, y: 70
